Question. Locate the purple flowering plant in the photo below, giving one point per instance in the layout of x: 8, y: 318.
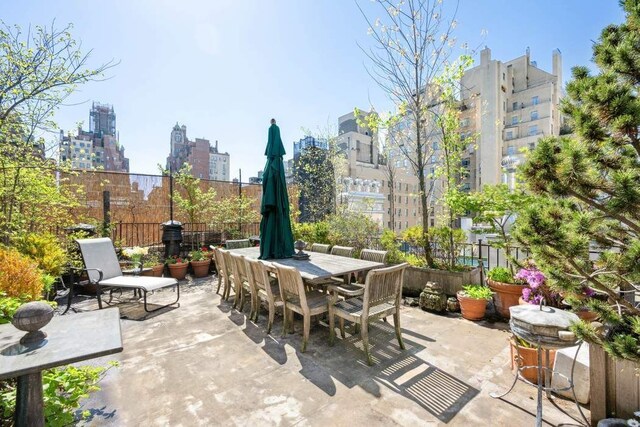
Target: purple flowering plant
x: 537, y: 290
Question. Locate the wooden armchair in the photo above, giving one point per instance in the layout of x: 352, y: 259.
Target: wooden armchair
x: 227, y: 265
x: 265, y: 289
x: 381, y: 297
x: 296, y: 299
x: 320, y: 248
x: 241, y: 282
x: 342, y: 251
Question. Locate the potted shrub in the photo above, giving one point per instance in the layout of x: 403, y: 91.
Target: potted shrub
x: 473, y: 301
x: 153, y: 262
x: 507, y: 291
x: 200, y: 263
x: 177, y: 267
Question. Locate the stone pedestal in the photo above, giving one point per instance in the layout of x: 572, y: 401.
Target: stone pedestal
x: 433, y: 298
x: 562, y: 365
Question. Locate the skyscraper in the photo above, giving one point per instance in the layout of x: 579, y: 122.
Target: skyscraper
x: 98, y: 148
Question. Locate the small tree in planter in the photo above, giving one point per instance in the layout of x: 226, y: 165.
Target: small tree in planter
x: 473, y: 301
x: 589, y: 188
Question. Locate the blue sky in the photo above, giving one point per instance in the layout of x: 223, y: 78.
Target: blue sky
x: 225, y: 67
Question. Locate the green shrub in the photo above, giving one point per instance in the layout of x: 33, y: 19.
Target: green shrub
x: 43, y: 249
x: 389, y: 242
x: 501, y: 274
x: 351, y: 228
x: 311, y: 232
x: 63, y: 389
x: 477, y: 292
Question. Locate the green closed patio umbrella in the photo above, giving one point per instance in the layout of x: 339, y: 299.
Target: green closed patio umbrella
x: 276, y: 238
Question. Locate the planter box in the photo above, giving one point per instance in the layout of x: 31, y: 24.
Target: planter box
x: 451, y: 281
x: 615, y: 386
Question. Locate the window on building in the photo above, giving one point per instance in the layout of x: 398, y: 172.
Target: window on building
x: 532, y: 145
x: 433, y: 222
x: 435, y: 146
x: 406, y: 200
x: 389, y: 224
x: 515, y: 106
x: 535, y: 100
x: 503, y: 76
x: 533, y: 130
x: 389, y: 197
x: 406, y: 188
x: 406, y: 224
x: 514, y: 120
x: 509, y: 135
x: 466, y: 162
x: 511, y: 150
x: 406, y: 212
x: 534, y: 115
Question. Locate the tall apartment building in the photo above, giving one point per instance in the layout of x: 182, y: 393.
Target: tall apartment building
x: 98, y: 148
x: 205, y: 160
x: 507, y: 106
x: 387, y: 192
x: 313, y: 173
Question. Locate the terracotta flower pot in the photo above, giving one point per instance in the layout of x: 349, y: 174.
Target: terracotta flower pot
x: 472, y: 308
x: 158, y: 270
x: 178, y: 271
x: 200, y: 268
x: 524, y: 356
x: 505, y: 295
x: 587, y: 315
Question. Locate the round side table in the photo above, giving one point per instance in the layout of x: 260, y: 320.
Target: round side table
x: 546, y: 328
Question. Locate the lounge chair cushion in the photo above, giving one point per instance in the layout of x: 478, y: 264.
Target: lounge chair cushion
x: 139, y: 282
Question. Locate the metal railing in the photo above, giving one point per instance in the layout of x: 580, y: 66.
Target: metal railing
x: 193, y: 234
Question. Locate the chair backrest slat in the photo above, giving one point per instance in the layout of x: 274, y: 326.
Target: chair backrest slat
x: 345, y: 251
x: 220, y: 267
x: 258, y: 275
x: 320, y: 248
x: 100, y: 253
x: 383, y: 285
x: 238, y: 244
x: 291, y: 284
x: 375, y: 256
x: 228, y: 262
x: 239, y: 267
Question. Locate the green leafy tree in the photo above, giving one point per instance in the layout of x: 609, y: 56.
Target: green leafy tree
x: 351, y: 228
x: 38, y: 71
x: 590, y: 185
x: 412, y: 48
x: 235, y: 213
x: 315, y: 178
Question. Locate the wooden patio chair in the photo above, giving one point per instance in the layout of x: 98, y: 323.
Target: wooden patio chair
x: 237, y: 244
x: 221, y: 272
x: 227, y: 265
x: 265, y: 289
x: 103, y: 269
x: 297, y: 299
x: 241, y: 282
x: 320, y: 248
x: 346, y: 251
x: 356, y: 289
x: 381, y: 297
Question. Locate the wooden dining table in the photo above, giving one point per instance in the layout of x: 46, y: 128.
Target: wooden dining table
x: 318, y: 267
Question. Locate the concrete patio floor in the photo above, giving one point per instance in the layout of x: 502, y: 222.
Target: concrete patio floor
x: 204, y: 363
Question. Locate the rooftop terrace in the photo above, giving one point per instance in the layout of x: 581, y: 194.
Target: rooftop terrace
x: 205, y: 363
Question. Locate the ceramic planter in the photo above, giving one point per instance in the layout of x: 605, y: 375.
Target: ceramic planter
x: 200, y: 268
x: 523, y: 356
x: 505, y: 295
x: 178, y: 271
x: 472, y: 308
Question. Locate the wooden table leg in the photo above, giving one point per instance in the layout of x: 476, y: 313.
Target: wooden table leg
x: 29, y: 402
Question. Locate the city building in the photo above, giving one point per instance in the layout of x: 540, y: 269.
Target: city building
x: 507, y: 107
x: 98, y: 148
x: 219, y: 164
x: 381, y: 185
x: 205, y: 160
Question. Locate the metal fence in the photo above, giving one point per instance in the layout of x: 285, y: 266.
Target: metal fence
x: 193, y: 234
